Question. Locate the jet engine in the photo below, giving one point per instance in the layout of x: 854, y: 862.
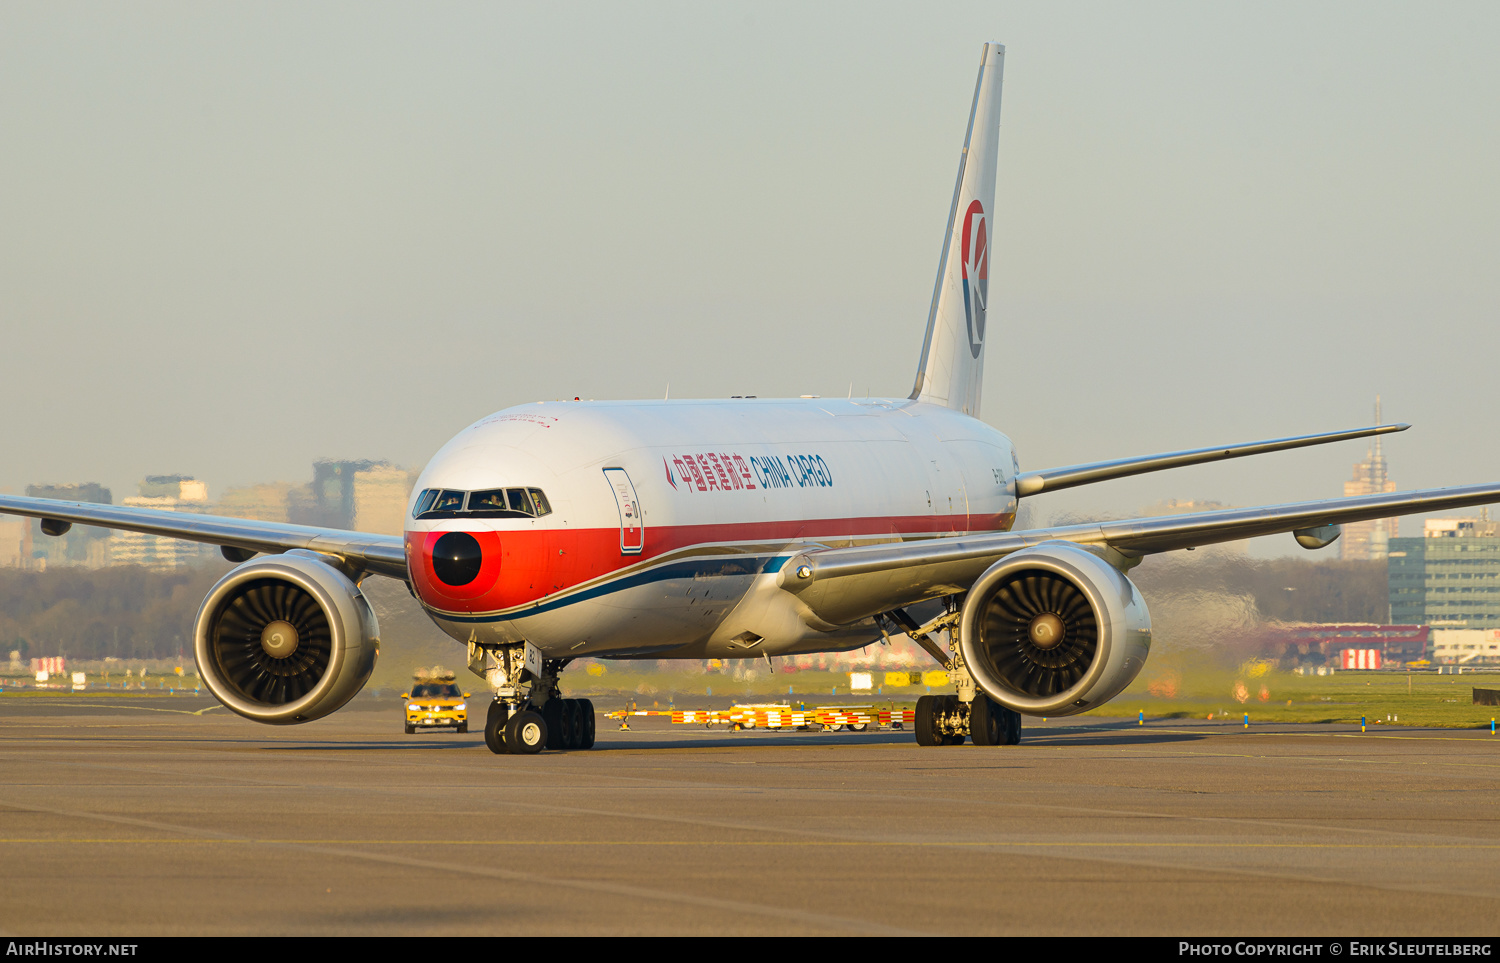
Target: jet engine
x: 1054, y: 630
x: 285, y: 639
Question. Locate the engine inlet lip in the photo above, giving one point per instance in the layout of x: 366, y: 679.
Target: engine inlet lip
x: 289, y: 570
x: 984, y: 589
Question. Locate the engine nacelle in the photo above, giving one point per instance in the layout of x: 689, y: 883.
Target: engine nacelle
x: 285, y: 639
x: 1054, y: 630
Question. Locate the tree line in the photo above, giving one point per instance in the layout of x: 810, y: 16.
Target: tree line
x: 125, y: 612
x: 1284, y: 589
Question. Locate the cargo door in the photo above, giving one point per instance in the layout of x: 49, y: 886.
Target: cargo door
x: 632, y: 530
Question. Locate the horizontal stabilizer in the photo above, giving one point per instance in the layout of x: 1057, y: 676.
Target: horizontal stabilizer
x: 1071, y: 476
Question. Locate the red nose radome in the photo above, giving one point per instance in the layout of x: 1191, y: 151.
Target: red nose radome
x: 454, y: 570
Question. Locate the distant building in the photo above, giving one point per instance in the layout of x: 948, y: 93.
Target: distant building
x: 267, y: 503
x: 366, y: 496
x: 1319, y: 643
x: 173, y: 493
x: 1369, y: 540
x: 380, y: 496
x: 81, y: 545
x: 1448, y: 578
x: 15, y: 536
x: 1465, y: 646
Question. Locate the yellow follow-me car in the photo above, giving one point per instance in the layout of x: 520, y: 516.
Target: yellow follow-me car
x: 436, y: 705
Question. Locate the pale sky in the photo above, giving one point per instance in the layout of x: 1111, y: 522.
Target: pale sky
x: 235, y: 238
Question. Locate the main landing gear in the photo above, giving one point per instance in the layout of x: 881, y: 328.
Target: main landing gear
x: 943, y: 720
x: 524, y: 720
x: 947, y: 720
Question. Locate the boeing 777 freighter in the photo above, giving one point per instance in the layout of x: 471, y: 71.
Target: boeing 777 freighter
x: 735, y: 529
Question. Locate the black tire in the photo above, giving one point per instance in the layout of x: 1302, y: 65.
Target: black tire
x: 494, y: 727
x: 986, y: 722
x: 555, y: 712
x: 463, y: 727
x: 1011, y: 728
x: 526, y: 733
x: 585, y: 724
x: 410, y: 729
x: 927, y: 734
x: 567, y: 716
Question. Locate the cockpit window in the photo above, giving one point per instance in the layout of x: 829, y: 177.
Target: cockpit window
x: 424, y: 503
x: 488, y: 503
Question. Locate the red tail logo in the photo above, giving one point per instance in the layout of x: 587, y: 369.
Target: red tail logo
x: 974, y: 249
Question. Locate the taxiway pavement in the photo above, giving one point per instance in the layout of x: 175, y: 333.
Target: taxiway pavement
x: 165, y: 815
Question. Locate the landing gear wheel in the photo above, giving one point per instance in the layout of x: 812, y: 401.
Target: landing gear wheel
x: 987, y: 722
x: 526, y: 732
x: 568, y: 716
x: 494, y: 727
x: 927, y: 734
x: 1011, y: 728
x: 555, y: 712
x: 585, y: 724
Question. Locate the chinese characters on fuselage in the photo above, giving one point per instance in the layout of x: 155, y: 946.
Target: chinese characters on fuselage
x: 726, y: 472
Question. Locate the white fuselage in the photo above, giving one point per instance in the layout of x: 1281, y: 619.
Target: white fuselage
x: 669, y: 520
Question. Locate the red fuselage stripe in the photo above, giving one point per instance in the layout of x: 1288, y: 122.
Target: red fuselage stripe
x: 537, y: 562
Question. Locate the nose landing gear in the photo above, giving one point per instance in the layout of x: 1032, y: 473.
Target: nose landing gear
x: 529, y: 713
x: 525, y: 733
x: 570, y: 723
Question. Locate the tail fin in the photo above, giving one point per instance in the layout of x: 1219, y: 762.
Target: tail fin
x: 953, y: 353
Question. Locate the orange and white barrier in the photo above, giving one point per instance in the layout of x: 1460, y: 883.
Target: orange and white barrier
x: 900, y: 717
x: 779, y: 717
x: 1362, y: 659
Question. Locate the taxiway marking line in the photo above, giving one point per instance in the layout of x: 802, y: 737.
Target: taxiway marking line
x: 1252, y: 731
x: 112, y: 705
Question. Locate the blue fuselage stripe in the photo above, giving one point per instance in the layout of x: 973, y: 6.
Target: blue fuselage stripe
x: 709, y: 567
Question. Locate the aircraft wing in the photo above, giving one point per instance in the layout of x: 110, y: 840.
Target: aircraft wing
x: 843, y: 585
x: 380, y: 554
x: 1071, y: 476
